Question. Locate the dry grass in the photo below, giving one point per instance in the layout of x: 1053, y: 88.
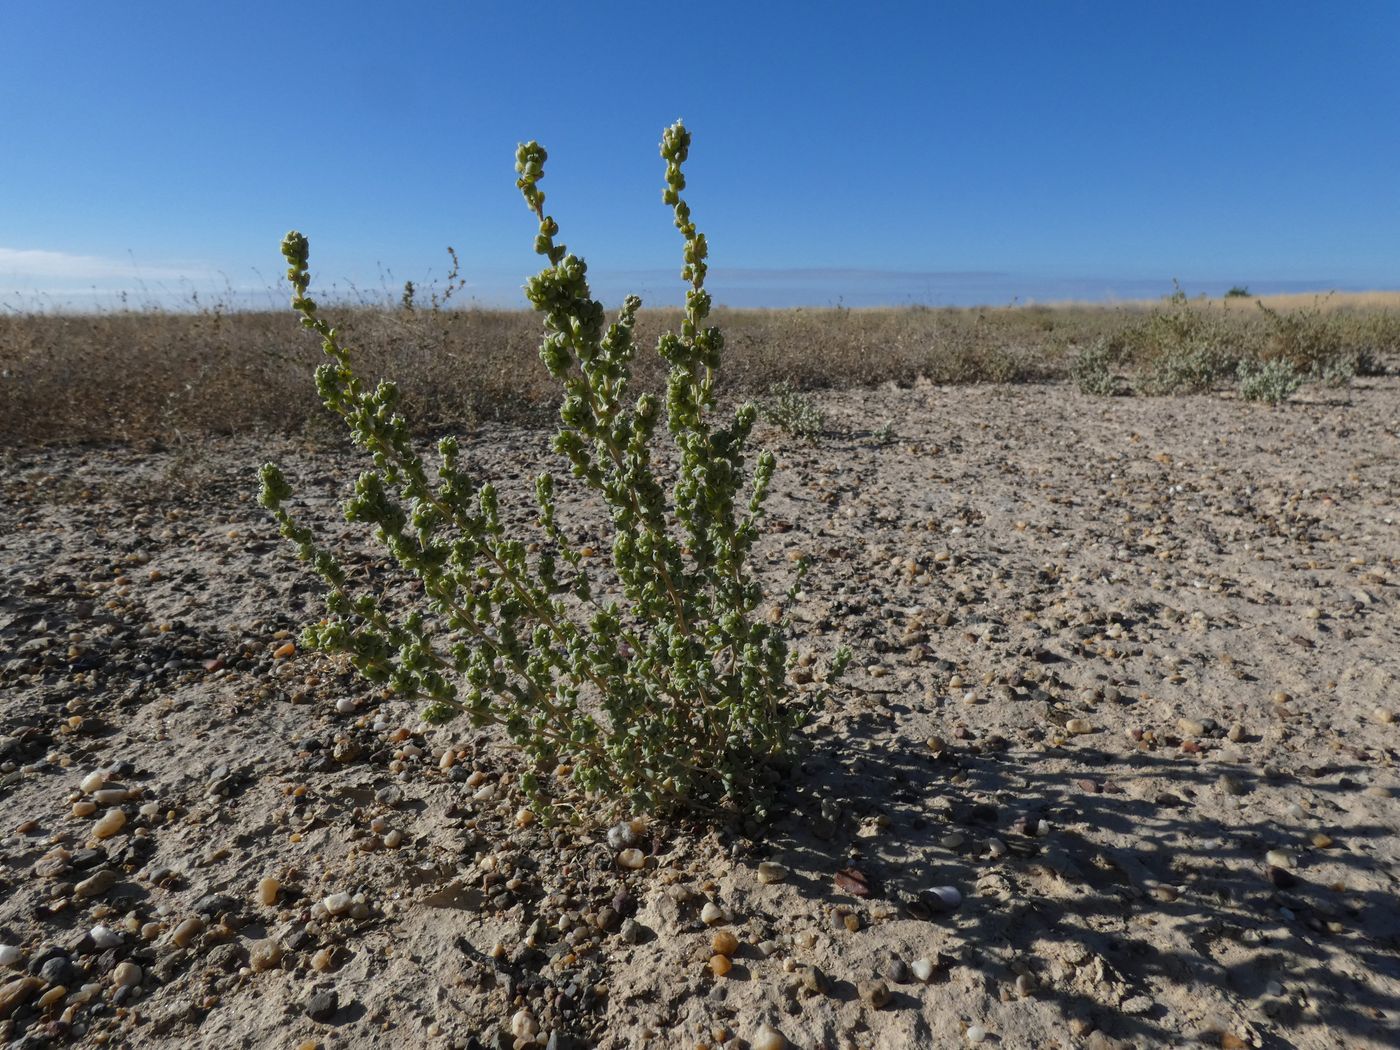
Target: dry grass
x: 167, y: 377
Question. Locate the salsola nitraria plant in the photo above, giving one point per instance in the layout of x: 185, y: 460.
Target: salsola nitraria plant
x: 661, y: 681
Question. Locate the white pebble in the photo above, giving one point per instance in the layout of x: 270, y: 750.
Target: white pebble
x: 620, y: 836
x: 769, y: 1038
x: 93, y: 781
x: 523, y: 1025
x: 104, y: 937
x: 632, y: 859
x: 711, y: 913
x: 345, y: 706
x: 922, y: 969
x: 996, y: 848
x: 9, y: 955
x: 948, y: 896
x: 976, y: 1033
x: 337, y: 903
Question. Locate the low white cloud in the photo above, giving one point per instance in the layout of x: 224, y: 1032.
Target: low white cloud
x: 18, y: 264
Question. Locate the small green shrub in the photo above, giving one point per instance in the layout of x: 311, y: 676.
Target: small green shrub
x: 1308, y: 339
x: 793, y: 412
x: 1093, y: 368
x: 661, y: 681
x: 1272, y: 381
x: 1238, y: 291
x: 1182, y: 348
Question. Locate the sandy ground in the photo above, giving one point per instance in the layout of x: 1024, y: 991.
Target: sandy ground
x: 1126, y: 678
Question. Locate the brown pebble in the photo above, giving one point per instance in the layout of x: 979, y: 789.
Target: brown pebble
x: 725, y: 943
x: 720, y: 965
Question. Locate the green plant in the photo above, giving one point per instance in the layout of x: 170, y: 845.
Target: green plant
x: 793, y: 412
x: 1272, y: 381
x: 1182, y: 348
x: 1093, y: 368
x: 659, y: 683
x: 1237, y: 291
x: 1311, y: 341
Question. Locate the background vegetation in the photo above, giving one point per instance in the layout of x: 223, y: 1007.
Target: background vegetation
x: 162, y: 376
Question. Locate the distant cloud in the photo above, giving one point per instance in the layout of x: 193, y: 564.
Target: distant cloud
x: 30, y: 263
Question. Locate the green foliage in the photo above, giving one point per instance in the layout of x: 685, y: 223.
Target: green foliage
x: 1311, y: 341
x: 660, y: 682
x: 1272, y: 381
x: 1093, y: 368
x: 793, y: 412
x: 1238, y: 291
x: 1182, y: 347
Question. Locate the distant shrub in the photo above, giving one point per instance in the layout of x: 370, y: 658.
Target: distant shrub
x: 1239, y: 291
x: 1183, y: 348
x: 1272, y: 381
x: 1309, y: 339
x: 1093, y: 368
x: 793, y: 412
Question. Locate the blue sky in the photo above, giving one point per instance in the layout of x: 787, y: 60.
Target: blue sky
x: 868, y: 154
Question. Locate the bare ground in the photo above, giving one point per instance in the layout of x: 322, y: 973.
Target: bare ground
x: 1127, y: 673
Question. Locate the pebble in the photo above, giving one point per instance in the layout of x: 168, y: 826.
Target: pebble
x: 322, y: 1005
x: 771, y: 871
x: 725, y: 943
x: 126, y: 975
x: 104, y: 937
x: 622, y: 835
x: 96, y: 884
x: 264, y: 954
x: 109, y: 824
x: 1236, y: 734
x: 187, y: 931
x: 523, y: 1025
x: 875, y: 993
x: 632, y: 859
x: 1279, y: 858
x: 267, y: 891
x: 345, y: 706
x: 720, y: 965
x: 16, y: 993
x: 711, y: 913
x: 946, y: 897
x: 337, y: 903
x: 768, y: 1038
x: 976, y: 1033
x: 922, y: 969
x: 92, y: 782
x: 84, y: 808
x: 1079, y: 726
x: 110, y: 796
x: 9, y: 954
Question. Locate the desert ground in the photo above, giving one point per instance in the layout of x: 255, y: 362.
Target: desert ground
x: 1115, y: 763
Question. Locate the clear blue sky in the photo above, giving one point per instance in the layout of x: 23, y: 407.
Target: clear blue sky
x: 935, y: 152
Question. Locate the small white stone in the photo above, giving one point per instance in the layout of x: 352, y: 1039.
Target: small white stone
x: 976, y: 1033
x: 93, y: 781
x: 337, y: 903
x: 620, y: 836
x: 485, y: 793
x: 104, y: 937
x: 126, y: 975
x: 1279, y: 859
x: 9, y: 955
x: 922, y: 969
x: 523, y: 1025
x: 996, y: 848
x: 948, y: 896
x: 632, y: 859
x: 711, y: 913
x: 769, y: 1038
x: 345, y: 706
